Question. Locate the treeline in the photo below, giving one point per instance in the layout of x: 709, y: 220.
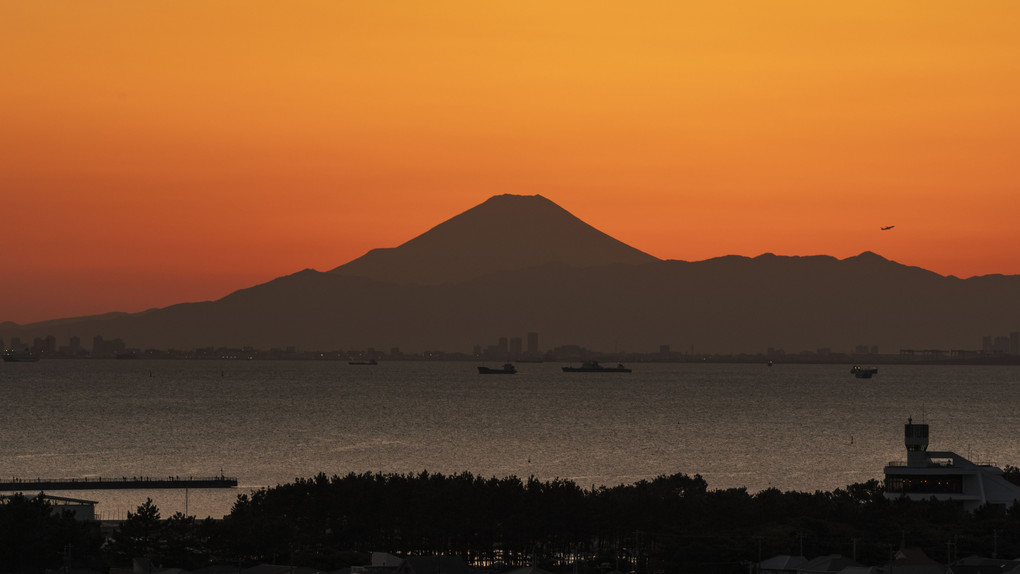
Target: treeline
x: 670, y: 524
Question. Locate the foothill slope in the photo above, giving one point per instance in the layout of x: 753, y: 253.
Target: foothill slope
x: 519, y: 264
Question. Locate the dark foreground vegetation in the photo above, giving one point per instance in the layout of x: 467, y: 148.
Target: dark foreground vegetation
x: 670, y: 524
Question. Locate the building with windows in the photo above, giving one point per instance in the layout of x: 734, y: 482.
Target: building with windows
x: 945, y: 475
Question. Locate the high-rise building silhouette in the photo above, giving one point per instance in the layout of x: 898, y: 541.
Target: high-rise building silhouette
x: 104, y: 348
x: 532, y: 343
x: 1001, y: 345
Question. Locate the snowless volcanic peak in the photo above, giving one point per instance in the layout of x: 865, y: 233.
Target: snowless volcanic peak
x: 505, y: 233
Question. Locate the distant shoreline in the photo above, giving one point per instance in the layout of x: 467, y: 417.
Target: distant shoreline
x: 765, y: 360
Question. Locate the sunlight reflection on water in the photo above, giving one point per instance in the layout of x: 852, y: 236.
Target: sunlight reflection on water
x: 793, y: 427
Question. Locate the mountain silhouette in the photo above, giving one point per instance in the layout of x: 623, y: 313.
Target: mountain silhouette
x: 505, y: 233
x: 517, y: 264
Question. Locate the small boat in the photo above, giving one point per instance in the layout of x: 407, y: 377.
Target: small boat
x: 368, y: 362
x: 595, y: 367
x: 506, y: 369
x: 16, y: 357
x: 863, y: 372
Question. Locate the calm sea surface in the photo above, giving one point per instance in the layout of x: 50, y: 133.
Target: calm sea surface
x: 794, y: 427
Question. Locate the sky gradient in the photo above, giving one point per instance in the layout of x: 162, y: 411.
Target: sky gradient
x: 168, y: 151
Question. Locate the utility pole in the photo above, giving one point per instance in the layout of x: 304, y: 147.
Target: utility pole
x: 757, y: 566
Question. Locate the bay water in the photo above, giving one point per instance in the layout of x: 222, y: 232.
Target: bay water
x: 792, y: 427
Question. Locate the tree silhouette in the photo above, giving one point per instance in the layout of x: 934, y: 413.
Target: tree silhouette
x: 670, y: 523
x: 35, y: 536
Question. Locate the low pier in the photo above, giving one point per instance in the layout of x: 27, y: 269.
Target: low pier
x: 111, y: 483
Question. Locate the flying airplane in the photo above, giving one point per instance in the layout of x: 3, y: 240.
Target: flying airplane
x: 888, y: 228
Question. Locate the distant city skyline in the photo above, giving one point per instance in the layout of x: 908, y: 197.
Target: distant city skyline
x: 504, y: 349
x: 209, y: 148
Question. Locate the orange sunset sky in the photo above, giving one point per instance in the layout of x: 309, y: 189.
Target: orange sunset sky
x: 161, y: 151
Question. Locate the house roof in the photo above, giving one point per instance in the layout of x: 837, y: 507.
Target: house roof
x: 59, y: 499
x: 860, y: 570
x: 782, y: 562
x: 434, y: 565
x: 826, y: 564
x: 980, y: 565
x: 912, y: 556
x: 267, y: 569
x: 527, y: 570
